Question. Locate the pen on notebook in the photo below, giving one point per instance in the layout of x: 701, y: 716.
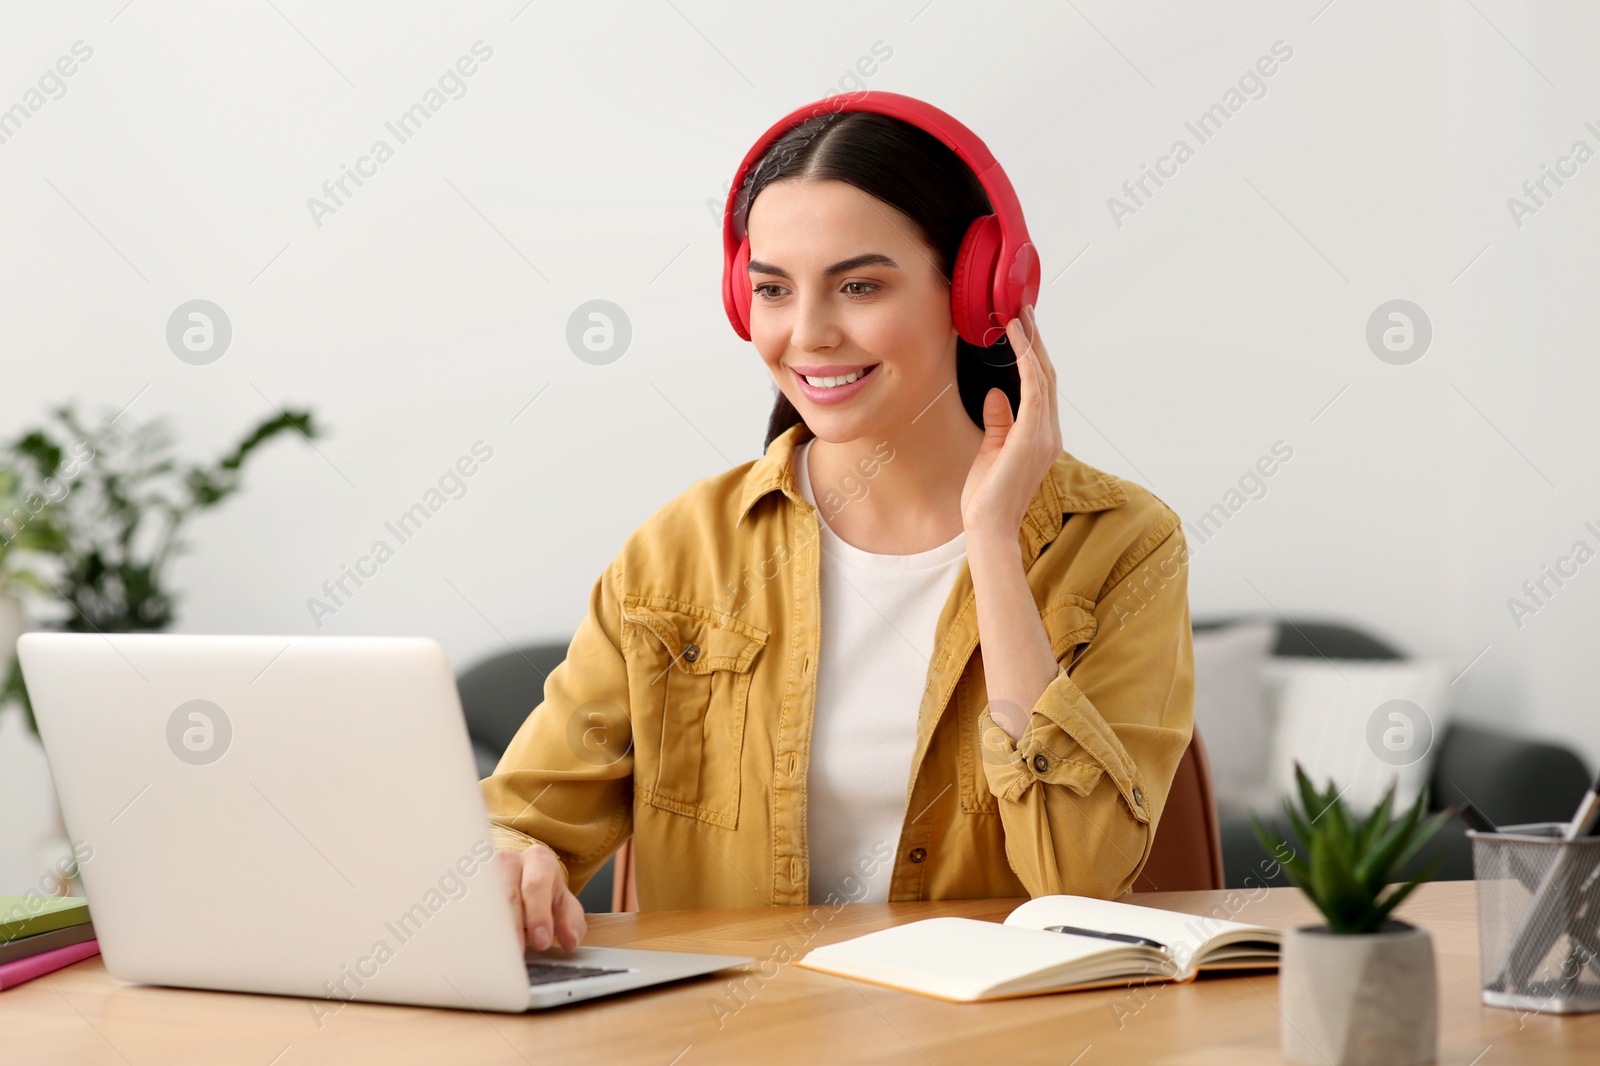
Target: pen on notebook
x: 1126, y: 938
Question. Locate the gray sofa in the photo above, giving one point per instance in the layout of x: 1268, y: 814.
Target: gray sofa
x: 1510, y: 779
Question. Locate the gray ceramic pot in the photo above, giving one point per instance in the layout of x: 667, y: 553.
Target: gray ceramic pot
x: 1359, y: 999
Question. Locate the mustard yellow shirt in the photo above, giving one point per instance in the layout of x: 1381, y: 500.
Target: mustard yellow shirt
x: 682, y: 713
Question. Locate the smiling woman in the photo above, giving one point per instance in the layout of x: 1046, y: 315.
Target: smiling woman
x: 842, y: 174
x: 772, y: 691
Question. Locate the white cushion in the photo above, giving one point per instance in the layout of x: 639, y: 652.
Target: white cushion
x: 1231, y: 714
x: 1361, y: 723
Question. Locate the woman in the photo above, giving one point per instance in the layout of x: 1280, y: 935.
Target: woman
x: 777, y: 690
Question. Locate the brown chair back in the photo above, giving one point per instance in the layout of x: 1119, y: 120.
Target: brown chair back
x: 624, y: 891
x: 1187, y: 854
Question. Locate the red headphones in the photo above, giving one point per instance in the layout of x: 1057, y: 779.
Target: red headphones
x: 996, y: 270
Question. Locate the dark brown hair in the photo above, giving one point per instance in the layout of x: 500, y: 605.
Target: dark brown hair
x: 918, y: 175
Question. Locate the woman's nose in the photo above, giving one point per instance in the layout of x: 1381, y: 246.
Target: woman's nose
x: 814, y: 325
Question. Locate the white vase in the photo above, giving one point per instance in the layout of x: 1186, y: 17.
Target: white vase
x: 1359, y: 999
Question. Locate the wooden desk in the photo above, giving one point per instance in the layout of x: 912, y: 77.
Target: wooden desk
x: 783, y: 1013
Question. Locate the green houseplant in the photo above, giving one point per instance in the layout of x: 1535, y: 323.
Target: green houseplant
x: 1360, y: 989
x: 29, y: 532
x: 28, y: 528
x: 117, y: 501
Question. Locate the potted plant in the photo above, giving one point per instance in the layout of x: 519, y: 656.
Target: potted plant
x: 28, y: 528
x: 117, y: 503
x: 1359, y: 990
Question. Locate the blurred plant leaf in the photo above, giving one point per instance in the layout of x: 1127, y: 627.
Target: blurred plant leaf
x: 93, y: 516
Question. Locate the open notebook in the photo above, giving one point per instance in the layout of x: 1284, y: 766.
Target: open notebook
x: 964, y: 959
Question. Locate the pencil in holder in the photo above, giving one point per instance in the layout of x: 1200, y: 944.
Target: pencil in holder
x: 1538, y: 918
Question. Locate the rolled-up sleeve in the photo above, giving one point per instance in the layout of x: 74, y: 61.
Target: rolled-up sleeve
x: 1081, y: 792
x: 566, y: 778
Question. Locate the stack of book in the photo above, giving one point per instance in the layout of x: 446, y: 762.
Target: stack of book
x: 39, y: 934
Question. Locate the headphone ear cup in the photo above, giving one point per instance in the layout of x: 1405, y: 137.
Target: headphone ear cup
x: 972, y: 283
x: 736, y: 290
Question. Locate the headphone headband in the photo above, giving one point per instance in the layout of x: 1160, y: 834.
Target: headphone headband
x: 1015, y: 263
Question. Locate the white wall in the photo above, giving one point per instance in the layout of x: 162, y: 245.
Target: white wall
x: 1220, y: 318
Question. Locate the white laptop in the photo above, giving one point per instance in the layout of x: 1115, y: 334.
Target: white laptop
x: 294, y: 815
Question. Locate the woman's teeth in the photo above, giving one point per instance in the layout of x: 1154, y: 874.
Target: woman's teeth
x: 832, y: 383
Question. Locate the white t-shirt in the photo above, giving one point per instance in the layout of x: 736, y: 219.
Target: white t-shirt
x: 879, y: 614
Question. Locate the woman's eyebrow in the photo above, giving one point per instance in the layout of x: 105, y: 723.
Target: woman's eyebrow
x: 841, y: 267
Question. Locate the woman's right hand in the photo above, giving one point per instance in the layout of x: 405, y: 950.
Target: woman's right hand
x: 544, y: 907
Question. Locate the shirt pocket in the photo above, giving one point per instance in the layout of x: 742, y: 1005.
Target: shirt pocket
x: 689, y: 675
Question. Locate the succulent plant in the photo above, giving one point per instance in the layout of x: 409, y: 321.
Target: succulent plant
x: 1352, y: 868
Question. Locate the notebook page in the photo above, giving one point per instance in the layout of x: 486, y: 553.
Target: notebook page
x: 958, y: 958
x: 1183, y: 934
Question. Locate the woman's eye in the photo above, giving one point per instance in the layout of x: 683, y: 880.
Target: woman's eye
x: 856, y: 290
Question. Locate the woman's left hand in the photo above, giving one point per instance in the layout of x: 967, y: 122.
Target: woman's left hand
x: 1016, y: 453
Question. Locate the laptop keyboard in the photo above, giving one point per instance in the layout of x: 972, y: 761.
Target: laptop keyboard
x: 544, y: 973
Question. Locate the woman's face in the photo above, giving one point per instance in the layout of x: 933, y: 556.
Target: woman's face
x: 843, y: 282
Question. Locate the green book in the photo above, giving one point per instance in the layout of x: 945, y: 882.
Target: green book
x: 30, y: 915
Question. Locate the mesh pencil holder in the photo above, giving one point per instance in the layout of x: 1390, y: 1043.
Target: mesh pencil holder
x: 1538, y: 918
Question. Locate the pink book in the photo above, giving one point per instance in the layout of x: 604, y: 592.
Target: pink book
x: 14, y: 973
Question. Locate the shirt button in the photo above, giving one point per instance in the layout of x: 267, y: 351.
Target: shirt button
x: 1040, y: 763
x: 1138, y: 797
x: 918, y: 854
x: 691, y: 653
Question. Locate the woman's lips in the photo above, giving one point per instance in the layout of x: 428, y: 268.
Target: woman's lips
x: 840, y: 394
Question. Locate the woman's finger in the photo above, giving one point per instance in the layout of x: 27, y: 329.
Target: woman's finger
x: 1039, y: 396
x: 511, y: 869
x: 570, y: 922
x: 1052, y: 390
x: 537, y: 885
x: 1047, y: 370
x: 1028, y: 372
